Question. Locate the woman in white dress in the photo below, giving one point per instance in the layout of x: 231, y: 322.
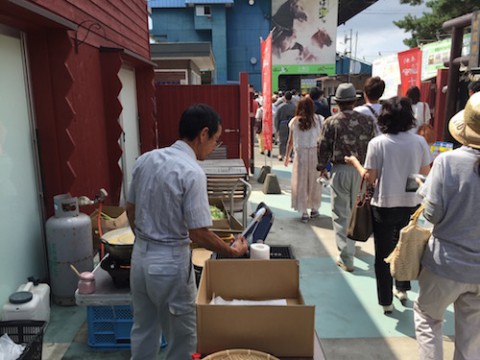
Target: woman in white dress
x: 303, y: 138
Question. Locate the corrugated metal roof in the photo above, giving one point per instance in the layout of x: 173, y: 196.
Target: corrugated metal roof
x: 183, y: 3
x: 167, y: 3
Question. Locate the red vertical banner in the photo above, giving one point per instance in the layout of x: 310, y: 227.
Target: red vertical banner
x: 266, y: 47
x: 410, y: 62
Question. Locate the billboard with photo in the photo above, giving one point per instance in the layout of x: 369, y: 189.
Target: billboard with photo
x: 304, y: 36
x: 388, y: 68
x: 435, y: 54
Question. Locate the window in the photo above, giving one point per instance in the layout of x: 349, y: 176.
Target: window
x: 203, y: 10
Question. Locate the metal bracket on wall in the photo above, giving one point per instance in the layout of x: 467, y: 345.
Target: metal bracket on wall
x: 87, y: 25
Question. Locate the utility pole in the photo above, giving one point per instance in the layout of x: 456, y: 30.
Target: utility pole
x: 349, y: 52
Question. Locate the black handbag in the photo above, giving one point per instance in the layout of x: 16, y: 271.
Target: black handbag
x: 361, y: 227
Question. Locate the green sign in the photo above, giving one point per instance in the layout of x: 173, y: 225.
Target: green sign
x: 277, y: 70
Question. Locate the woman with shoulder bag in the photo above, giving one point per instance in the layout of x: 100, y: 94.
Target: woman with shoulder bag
x: 451, y: 262
x: 391, y: 158
x: 422, y: 114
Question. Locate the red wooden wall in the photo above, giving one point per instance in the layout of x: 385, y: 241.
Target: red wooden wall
x: 230, y: 101
x: 123, y: 23
x: 75, y: 88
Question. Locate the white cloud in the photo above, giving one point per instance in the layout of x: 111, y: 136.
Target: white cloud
x: 376, y: 31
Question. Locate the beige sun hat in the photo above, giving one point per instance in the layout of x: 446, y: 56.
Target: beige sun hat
x: 465, y: 125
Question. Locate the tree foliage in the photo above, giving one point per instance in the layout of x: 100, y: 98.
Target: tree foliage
x: 428, y: 27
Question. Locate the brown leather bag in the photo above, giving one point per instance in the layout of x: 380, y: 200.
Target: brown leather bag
x: 426, y: 130
x: 361, y: 224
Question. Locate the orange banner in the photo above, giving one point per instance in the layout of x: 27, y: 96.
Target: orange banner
x: 266, y: 47
x: 410, y: 62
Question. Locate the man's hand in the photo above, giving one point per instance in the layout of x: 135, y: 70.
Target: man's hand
x: 324, y: 174
x: 239, y: 246
x: 350, y: 160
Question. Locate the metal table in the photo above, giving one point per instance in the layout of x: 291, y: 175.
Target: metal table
x: 224, y: 167
x: 106, y: 294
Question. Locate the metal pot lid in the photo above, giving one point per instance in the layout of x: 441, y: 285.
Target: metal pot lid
x: 20, y: 297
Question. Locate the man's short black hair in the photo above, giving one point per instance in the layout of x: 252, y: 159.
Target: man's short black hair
x: 288, y: 95
x: 374, y: 88
x: 314, y: 93
x: 197, y: 117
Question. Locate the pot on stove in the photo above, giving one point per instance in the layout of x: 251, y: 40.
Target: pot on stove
x: 119, y: 244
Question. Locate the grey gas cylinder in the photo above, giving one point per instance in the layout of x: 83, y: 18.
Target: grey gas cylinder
x: 69, y: 241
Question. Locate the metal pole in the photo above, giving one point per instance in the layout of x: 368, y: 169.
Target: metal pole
x: 453, y: 75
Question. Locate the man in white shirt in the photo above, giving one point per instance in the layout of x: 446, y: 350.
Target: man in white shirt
x: 372, y: 92
x: 167, y: 208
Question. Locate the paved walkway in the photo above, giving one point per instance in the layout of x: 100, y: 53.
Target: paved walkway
x: 348, y: 320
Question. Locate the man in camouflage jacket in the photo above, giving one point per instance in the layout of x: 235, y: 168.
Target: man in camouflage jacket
x: 344, y: 134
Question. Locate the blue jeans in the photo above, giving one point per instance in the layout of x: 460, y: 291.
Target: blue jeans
x: 387, y: 223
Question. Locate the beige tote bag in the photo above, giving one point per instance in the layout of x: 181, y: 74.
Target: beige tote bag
x: 405, y: 258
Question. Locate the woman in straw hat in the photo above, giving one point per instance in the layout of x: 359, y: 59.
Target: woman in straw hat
x: 451, y: 263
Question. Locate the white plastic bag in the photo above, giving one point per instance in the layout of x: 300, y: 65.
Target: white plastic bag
x: 8, y: 349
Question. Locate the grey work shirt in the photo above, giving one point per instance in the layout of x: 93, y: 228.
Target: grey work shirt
x: 452, y: 201
x: 169, y: 190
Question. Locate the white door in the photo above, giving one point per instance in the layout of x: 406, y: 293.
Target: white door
x: 21, y: 220
x: 129, y: 142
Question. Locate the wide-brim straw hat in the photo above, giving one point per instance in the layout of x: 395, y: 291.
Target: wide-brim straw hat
x: 346, y: 93
x: 465, y: 125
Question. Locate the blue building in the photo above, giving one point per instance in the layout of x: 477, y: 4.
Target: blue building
x: 233, y: 29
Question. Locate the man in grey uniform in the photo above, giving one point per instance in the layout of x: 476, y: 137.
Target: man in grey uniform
x: 167, y: 208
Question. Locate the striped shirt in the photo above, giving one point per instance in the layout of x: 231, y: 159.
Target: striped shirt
x: 169, y: 190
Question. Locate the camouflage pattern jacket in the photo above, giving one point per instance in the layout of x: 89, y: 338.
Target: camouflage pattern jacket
x: 344, y: 134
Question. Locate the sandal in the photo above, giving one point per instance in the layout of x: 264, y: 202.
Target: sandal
x: 305, y: 218
x: 314, y: 214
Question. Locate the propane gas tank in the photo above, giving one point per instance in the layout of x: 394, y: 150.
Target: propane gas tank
x: 69, y: 241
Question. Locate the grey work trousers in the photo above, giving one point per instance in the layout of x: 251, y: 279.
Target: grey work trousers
x: 436, y: 294
x: 344, y: 184
x: 163, y: 300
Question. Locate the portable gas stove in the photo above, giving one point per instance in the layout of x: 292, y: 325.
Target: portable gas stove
x: 118, y: 269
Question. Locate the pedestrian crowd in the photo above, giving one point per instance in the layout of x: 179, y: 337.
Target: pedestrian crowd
x: 371, y: 143
x: 384, y: 143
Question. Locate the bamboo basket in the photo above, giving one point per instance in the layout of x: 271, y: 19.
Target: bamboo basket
x: 240, y: 354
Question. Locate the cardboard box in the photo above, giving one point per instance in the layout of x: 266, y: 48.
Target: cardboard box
x: 118, y: 220
x: 282, y: 331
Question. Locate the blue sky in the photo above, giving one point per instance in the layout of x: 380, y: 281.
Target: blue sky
x: 376, y: 32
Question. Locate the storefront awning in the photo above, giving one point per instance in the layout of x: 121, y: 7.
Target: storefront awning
x: 200, y: 53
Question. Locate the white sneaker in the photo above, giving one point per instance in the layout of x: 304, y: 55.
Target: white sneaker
x: 400, y: 295
x: 387, y: 309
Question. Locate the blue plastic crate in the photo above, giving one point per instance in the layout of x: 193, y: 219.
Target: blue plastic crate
x: 109, y: 327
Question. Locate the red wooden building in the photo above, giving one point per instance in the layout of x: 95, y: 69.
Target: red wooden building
x: 76, y: 109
